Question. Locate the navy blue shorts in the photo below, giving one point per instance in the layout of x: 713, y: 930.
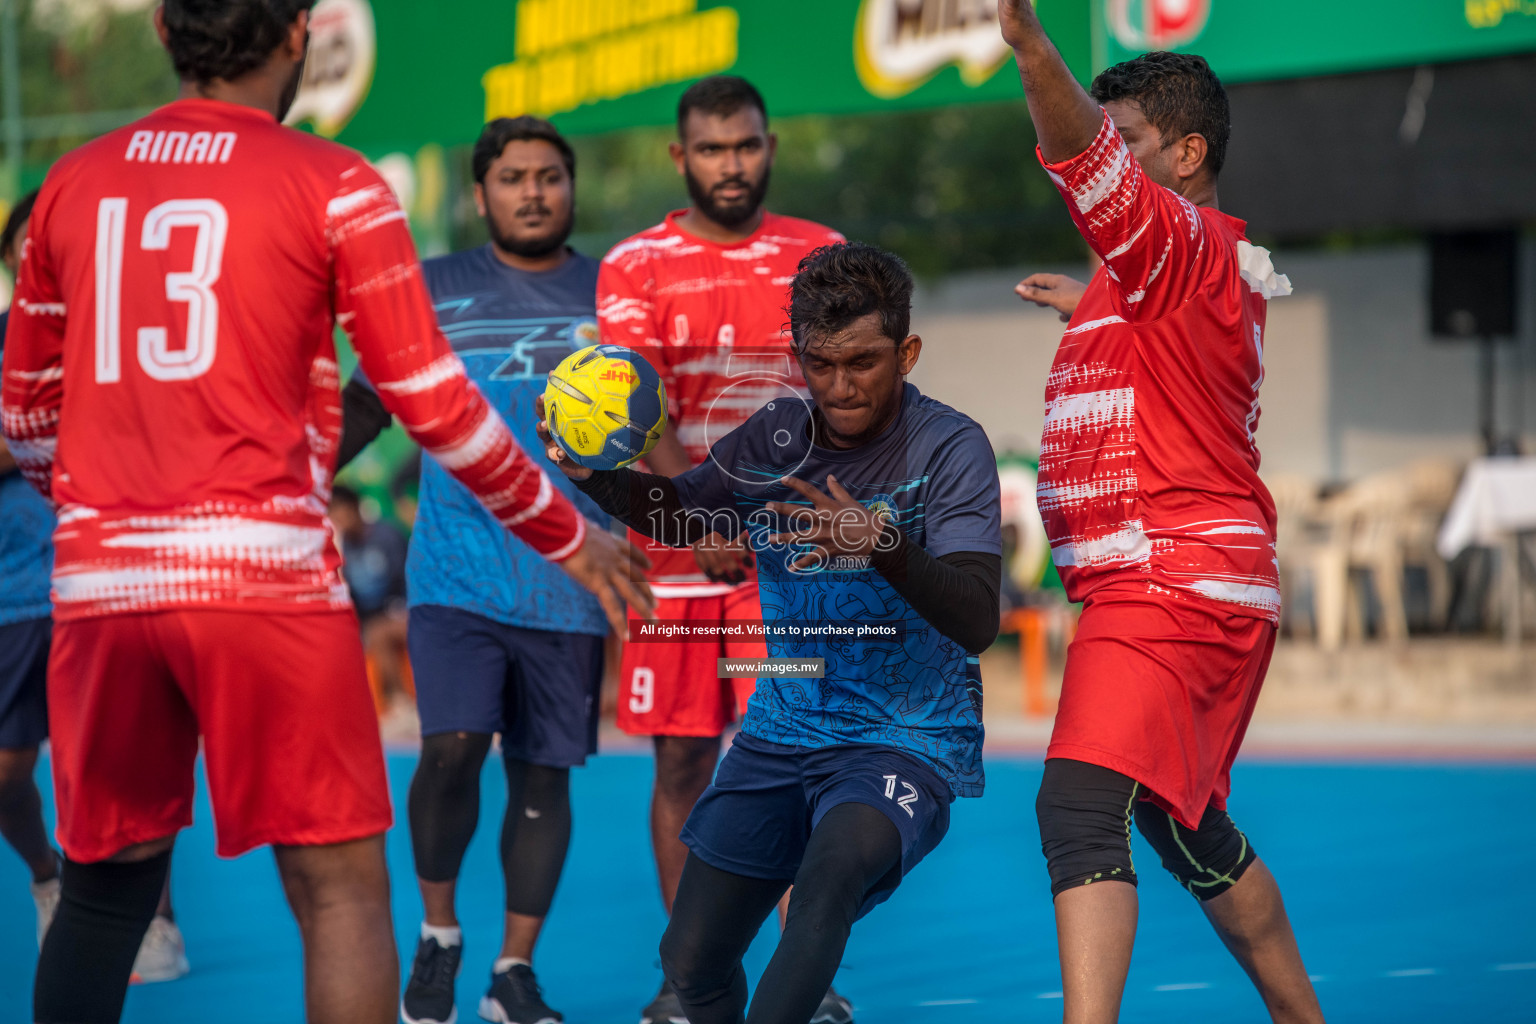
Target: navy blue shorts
x: 757, y: 816
x: 538, y: 688
x: 24, y: 683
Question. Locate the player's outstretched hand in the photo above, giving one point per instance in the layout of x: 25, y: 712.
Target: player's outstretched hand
x: 552, y: 449
x: 835, y: 524
x: 1018, y: 21
x: 1054, y: 291
x: 614, y: 570
x: 722, y: 559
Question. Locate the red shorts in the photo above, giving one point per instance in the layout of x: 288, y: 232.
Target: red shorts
x: 1162, y: 690
x: 675, y: 689
x: 289, y: 734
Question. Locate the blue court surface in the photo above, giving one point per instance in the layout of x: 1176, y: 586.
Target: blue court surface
x: 1409, y: 886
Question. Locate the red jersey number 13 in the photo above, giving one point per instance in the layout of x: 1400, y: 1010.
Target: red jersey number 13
x: 194, y: 287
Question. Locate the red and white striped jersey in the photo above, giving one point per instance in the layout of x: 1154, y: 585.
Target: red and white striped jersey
x: 1148, y: 463
x: 712, y: 319
x: 170, y: 372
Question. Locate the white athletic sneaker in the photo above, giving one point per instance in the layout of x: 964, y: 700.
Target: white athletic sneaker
x: 46, y: 896
x: 162, y: 954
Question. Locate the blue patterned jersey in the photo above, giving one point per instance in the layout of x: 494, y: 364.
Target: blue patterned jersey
x: 901, y: 683
x: 510, y: 328
x: 26, y: 543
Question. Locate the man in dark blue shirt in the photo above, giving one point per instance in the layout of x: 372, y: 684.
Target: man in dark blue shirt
x: 874, y: 514
x: 373, y: 556
x: 501, y: 640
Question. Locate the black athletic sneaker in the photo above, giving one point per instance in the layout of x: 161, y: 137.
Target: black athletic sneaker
x: 515, y: 998
x: 666, y: 1008
x: 428, y: 995
x: 834, y: 1009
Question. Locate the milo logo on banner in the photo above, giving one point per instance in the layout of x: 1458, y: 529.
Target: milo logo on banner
x: 900, y: 44
x: 1156, y: 24
x: 339, y: 68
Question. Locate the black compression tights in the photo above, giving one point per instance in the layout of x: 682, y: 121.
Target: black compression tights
x: 535, y: 835
x: 718, y: 913
x: 444, y: 803
x: 82, y: 972
x: 444, y: 806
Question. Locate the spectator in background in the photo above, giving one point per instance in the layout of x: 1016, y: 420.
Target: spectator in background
x: 1013, y: 594
x: 373, y: 564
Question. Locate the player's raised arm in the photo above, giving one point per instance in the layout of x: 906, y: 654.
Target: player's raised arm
x: 382, y: 303
x: 32, y: 386
x: 1066, y: 119
x: 1132, y: 172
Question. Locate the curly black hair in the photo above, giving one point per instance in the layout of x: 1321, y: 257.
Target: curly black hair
x: 1178, y: 94
x: 496, y: 134
x: 224, y: 39
x: 837, y: 284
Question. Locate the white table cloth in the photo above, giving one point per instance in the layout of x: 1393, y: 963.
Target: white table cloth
x: 1495, y: 507
x: 1497, y: 497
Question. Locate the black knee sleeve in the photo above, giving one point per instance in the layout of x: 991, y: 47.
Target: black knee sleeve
x: 444, y: 802
x: 535, y: 835
x: 1206, y: 861
x: 87, y: 956
x: 1085, y: 823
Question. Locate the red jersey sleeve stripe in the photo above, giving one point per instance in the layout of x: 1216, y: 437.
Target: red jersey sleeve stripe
x: 1140, y: 229
x: 382, y: 302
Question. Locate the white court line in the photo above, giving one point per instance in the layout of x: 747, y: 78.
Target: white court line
x: 1317, y: 977
x: 1411, y: 972
x: 948, y: 1002
x: 1049, y: 995
x: 1514, y: 967
x: 1182, y: 986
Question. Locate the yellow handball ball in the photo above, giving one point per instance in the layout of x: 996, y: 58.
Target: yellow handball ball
x: 605, y: 405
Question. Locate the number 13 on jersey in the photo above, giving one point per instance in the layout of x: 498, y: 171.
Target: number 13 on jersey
x: 193, y: 286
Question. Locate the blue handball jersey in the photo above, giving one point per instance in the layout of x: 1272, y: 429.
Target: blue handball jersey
x: 899, y: 682
x: 26, y: 544
x: 510, y: 328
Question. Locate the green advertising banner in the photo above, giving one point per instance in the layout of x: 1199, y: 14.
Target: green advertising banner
x: 1250, y: 40
x: 393, y: 75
